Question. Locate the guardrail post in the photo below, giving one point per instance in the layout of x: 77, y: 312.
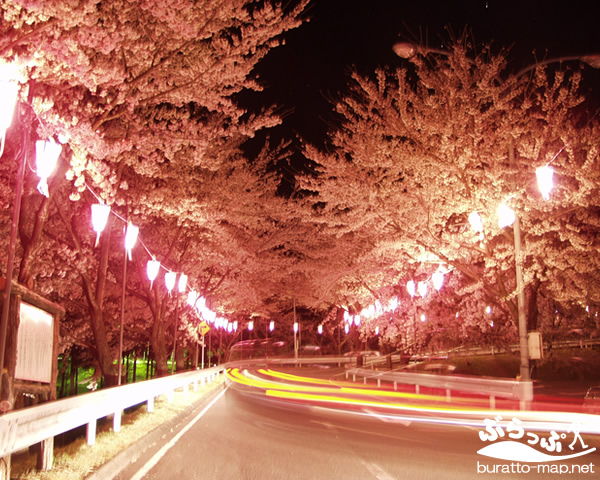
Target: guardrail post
x: 45, y: 457
x: 117, y: 420
x: 354, y: 377
x: 395, y: 385
x: 379, y: 382
x: 91, y: 432
x: 346, y: 375
x: 365, y: 380
x: 170, y: 395
x: 492, y: 402
x: 185, y: 388
x: 417, y: 389
x: 196, y: 385
x: 150, y: 405
x: 448, y: 396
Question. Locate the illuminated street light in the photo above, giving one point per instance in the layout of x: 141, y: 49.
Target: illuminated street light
x: 271, y: 326
x: 250, y: 325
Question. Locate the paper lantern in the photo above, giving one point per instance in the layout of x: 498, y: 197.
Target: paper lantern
x: 131, y: 237
x: 152, y: 268
x: 100, y: 213
x: 544, y: 178
x: 170, y: 278
x: 46, y: 156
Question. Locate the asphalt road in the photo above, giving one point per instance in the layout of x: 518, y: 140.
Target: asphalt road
x: 246, y: 436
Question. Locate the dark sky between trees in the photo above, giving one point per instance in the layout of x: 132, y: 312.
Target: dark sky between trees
x: 312, y: 69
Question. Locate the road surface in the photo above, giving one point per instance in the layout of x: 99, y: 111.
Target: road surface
x: 245, y: 435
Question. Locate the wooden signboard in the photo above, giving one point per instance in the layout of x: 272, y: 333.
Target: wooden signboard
x: 31, y: 352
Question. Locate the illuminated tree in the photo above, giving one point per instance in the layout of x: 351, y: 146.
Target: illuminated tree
x: 452, y: 133
x: 144, y: 94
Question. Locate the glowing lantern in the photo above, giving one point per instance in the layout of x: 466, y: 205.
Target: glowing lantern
x: 100, y: 213
x: 271, y: 326
x: 192, y: 297
x: 201, y: 304
x: 346, y: 329
x: 475, y: 221
x: 250, y: 325
x: 235, y: 325
x: 410, y: 286
x: 46, y: 156
x: 377, y: 330
x: 152, y: 268
x: 423, y: 317
x: 544, y: 178
x: 170, y: 278
x: 182, y: 283
x: 506, y: 216
x: 131, y: 237
x: 438, y: 279
x: 9, y: 89
x: 320, y: 329
x: 422, y: 288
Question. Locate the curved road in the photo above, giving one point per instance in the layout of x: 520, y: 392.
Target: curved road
x: 244, y: 435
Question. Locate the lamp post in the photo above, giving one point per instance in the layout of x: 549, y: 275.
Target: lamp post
x: 408, y: 50
x: 131, y: 235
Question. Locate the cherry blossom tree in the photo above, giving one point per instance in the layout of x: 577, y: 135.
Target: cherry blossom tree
x: 144, y: 95
x: 453, y: 133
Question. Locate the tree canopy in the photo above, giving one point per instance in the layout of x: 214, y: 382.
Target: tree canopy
x: 144, y: 97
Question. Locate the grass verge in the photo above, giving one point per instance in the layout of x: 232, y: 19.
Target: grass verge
x: 76, y: 459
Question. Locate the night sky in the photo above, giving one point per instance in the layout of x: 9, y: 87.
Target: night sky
x: 313, y: 67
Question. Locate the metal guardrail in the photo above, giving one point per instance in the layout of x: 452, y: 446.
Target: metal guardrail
x: 254, y: 362
x: 22, y: 428
x: 493, y: 387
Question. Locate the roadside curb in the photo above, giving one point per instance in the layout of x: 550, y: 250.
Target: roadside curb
x: 147, y: 446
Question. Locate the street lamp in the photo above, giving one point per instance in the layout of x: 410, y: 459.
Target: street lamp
x: 544, y: 174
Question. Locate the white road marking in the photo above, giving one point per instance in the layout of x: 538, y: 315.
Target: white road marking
x: 167, y: 446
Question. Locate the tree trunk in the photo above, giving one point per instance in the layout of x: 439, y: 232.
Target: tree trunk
x: 73, y: 377
x: 532, y: 308
x: 180, y: 358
